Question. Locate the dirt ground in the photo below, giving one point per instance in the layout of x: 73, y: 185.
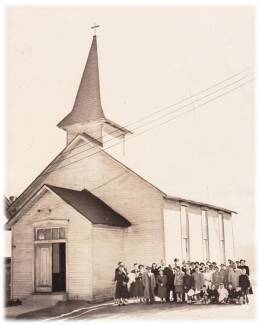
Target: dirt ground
x: 73, y: 310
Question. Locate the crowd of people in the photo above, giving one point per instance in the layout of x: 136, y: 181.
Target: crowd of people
x: 186, y: 282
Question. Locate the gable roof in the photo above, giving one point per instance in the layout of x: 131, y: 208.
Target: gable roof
x: 88, y: 205
x: 32, y: 188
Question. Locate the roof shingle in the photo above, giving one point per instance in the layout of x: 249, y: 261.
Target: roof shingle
x: 90, y: 206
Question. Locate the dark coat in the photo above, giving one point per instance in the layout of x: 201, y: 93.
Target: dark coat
x: 231, y: 293
x: 162, y: 289
x: 213, y: 295
x: 121, y: 285
x: 188, y: 281
x: 244, y: 282
x: 170, y: 277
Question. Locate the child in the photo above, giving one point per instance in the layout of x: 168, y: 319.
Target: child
x: 231, y: 294
x: 190, y: 296
x: 222, y: 294
x: 239, y: 296
x: 244, y: 284
x: 213, y: 294
x: 204, y: 295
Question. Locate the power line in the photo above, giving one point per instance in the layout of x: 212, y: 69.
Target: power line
x: 167, y: 107
x: 155, y: 119
x: 163, y: 123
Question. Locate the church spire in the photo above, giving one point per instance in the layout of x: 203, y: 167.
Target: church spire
x: 87, y: 117
x: 87, y: 105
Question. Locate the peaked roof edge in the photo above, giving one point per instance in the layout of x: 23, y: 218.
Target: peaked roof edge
x: 212, y: 206
x: 53, y: 189
x: 45, y: 170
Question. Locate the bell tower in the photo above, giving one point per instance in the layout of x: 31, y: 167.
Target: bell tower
x: 87, y: 116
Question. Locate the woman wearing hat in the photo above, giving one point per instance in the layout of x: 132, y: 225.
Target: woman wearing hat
x: 121, y: 279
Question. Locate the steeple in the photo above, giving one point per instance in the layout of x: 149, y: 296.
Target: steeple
x: 87, y: 105
x: 87, y: 116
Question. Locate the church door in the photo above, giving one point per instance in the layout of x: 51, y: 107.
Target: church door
x: 43, y: 267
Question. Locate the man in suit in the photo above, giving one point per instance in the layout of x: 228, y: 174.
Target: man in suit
x: 149, y: 283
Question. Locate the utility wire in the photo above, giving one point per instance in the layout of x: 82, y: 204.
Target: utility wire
x: 45, y: 173
x: 167, y: 107
x: 163, y: 123
x: 155, y: 119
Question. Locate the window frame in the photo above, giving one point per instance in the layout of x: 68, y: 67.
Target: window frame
x: 37, y: 240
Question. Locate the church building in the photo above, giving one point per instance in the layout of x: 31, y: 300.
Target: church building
x: 87, y: 211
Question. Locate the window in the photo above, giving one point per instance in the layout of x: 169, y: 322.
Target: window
x: 221, y: 238
x: 184, y: 233
x: 205, y: 235
x: 50, y: 233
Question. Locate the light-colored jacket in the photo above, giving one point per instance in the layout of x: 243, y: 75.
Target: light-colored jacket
x: 146, y: 284
x: 233, y: 277
x: 198, y: 280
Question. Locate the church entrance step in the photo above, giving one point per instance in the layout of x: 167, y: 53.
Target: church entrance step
x: 44, y: 299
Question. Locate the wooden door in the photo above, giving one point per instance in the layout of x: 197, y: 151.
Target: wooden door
x: 43, y: 267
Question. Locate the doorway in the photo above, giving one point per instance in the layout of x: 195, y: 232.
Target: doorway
x: 58, y: 267
x: 50, y: 267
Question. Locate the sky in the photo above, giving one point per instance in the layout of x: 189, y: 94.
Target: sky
x: 149, y: 57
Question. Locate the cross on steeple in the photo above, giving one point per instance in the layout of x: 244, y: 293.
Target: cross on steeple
x: 94, y: 28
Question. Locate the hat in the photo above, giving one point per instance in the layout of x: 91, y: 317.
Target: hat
x: 242, y: 260
x: 148, y: 268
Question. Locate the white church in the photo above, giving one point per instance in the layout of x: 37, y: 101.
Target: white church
x: 76, y: 220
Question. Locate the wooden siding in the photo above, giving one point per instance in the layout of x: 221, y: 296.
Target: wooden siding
x: 107, y: 251
x: 78, y: 247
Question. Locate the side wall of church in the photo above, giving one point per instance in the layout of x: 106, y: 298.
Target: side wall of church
x: 107, y: 251
x: 78, y: 247
x: 199, y: 249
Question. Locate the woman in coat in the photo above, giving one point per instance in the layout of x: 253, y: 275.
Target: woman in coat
x: 234, y: 276
x: 161, y: 282
x: 178, y: 284
x: 136, y: 286
x: 121, y: 279
x: 149, y: 284
x: 198, y: 282
x: 244, y: 284
x: 216, y: 277
x: 155, y: 271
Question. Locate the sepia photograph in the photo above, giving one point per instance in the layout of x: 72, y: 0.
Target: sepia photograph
x: 129, y: 162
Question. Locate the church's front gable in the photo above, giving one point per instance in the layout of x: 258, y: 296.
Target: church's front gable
x: 47, y: 228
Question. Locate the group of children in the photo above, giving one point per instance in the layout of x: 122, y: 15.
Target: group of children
x: 188, y: 282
